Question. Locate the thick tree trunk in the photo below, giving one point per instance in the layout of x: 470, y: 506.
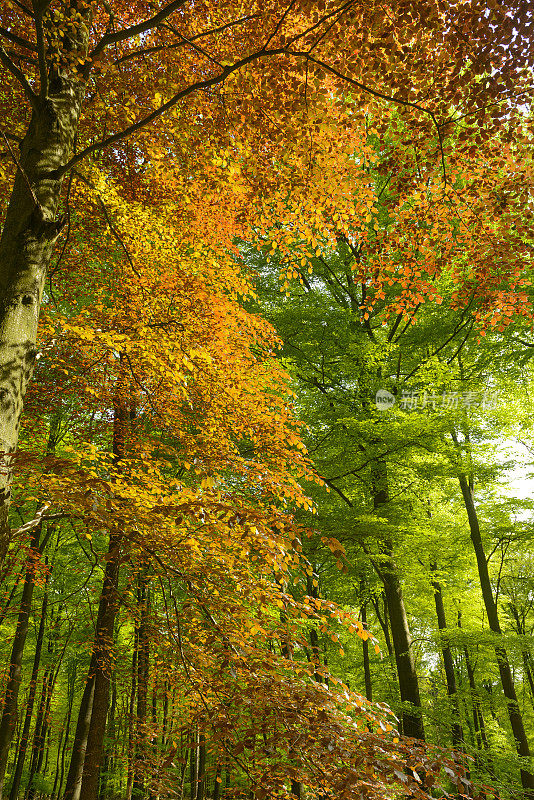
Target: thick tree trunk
x: 10, y: 710
x: 30, y: 230
x: 448, y: 664
x: 79, y: 745
x: 507, y: 681
x: 412, y: 722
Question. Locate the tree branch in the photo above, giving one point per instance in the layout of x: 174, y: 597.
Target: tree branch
x: 20, y: 76
x: 135, y: 30
x: 43, y: 72
x: 173, y: 45
x: 205, y: 84
x: 12, y: 37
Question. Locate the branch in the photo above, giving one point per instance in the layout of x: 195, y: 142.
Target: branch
x: 339, y: 492
x: 135, y: 30
x: 20, y: 76
x: 12, y: 37
x: 43, y: 72
x: 205, y: 84
x: 112, y: 228
x: 373, y: 92
x: 173, y: 45
x: 26, y: 179
x: 23, y: 8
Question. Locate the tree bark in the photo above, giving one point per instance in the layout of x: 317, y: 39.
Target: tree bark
x: 28, y: 237
x: 505, y: 672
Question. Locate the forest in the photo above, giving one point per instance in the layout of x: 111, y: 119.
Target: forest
x: 266, y: 400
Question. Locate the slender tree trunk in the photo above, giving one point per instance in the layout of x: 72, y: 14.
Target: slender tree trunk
x: 366, y: 664
x: 312, y: 588
x: 201, y: 777
x: 412, y: 722
x: 143, y: 656
x: 42, y: 726
x: 107, y: 765
x: 448, y: 664
x: 131, y: 720
x: 514, y: 714
x: 527, y: 660
x: 102, y: 649
x: 10, y: 710
x: 21, y: 756
x: 216, y: 794
x: 193, y: 766
x: 107, y: 612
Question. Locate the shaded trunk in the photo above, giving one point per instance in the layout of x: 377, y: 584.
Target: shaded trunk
x: 448, y: 664
x: 201, y: 777
x: 107, y: 766
x: 79, y: 746
x: 41, y: 731
x: 29, y: 234
x: 366, y: 664
x: 312, y: 588
x: 412, y: 722
x: 102, y: 649
x: 23, y: 745
x: 102, y: 654
x: 143, y: 656
x: 216, y: 794
x: 505, y: 672
x: 10, y: 710
x: 193, y: 766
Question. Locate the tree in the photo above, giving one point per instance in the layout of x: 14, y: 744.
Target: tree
x: 78, y: 65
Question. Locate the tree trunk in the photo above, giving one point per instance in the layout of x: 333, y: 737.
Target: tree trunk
x: 21, y: 756
x: 102, y: 650
x: 507, y: 681
x: 40, y: 733
x: 10, y: 711
x: 79, y: 745
x: 143, y: 655
x: 193, y: 766
x: 366, y: 665
x: 105, y: 624
x: 412, y: 722
x: 448, y: 664
x: 30, y: 231
x: 201, y: 777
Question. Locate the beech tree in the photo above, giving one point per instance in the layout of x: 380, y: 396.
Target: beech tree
x: 85, y: 80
